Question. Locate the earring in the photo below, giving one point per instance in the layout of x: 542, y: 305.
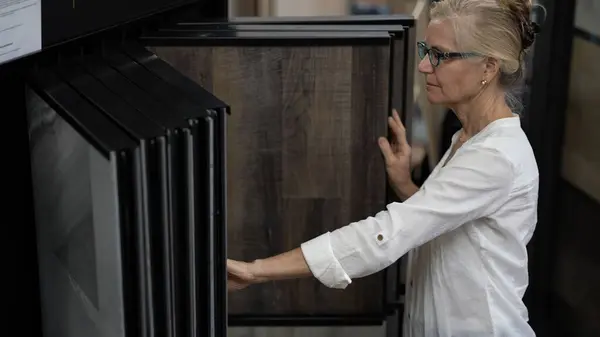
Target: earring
x: 483, y: 82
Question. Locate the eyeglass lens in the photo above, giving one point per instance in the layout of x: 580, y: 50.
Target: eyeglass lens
x: 424, y: 50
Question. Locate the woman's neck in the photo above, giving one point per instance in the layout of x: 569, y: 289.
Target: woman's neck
x: 480, y: 111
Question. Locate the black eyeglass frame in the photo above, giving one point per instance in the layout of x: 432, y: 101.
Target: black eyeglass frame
x: 439, y: 56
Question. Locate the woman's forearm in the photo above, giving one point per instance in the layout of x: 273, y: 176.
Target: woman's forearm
x: 289, y: 265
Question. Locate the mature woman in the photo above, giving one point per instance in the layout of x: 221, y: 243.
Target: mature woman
x: 465, y: 230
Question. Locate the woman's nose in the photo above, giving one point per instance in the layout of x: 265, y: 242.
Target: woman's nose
x: 425, y: 65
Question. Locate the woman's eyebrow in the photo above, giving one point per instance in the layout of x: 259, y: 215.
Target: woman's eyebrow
x: 439, y: 48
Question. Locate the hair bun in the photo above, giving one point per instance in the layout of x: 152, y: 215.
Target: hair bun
x: 528, y: 32
x: 521, y: 11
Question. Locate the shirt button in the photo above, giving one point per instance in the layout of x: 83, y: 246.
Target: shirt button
x: 380, y: 237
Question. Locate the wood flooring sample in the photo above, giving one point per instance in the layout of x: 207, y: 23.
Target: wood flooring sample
x: 302, y: 157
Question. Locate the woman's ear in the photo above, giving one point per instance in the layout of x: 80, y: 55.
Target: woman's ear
x: 492, y: 68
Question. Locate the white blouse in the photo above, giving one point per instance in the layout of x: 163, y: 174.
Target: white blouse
x: 465, y: 232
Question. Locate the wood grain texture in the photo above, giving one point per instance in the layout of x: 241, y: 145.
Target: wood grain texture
x: 317, y: 114
x: 302, y: 157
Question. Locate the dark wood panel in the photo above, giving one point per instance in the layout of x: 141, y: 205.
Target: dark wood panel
x: 370, y: 102
x: 302, y: 157
x: 316, y: 118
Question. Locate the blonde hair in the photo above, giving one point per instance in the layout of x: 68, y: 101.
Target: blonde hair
x: 501, y: 29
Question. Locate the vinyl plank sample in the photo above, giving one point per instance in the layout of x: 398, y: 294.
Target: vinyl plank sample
x: 302, y: 157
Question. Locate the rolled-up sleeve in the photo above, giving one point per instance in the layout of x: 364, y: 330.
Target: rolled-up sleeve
x: 474, y: 184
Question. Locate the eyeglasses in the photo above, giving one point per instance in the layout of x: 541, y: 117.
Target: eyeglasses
x: 437, y: 56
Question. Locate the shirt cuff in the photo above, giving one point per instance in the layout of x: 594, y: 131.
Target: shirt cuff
x: 323, y: 264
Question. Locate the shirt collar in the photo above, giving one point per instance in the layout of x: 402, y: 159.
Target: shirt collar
x: 514, y: 121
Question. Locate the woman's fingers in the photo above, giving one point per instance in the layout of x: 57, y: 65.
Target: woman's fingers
x: 238, y: 276
x: 386, y: 149
x: 397, y: 123
x: 399, y: 131
x: 237, y: 269
x: 397, y: 118
x: 234, y: 283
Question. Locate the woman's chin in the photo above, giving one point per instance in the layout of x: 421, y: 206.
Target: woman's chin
x: 434, y: 97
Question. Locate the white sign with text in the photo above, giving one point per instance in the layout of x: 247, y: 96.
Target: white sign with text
x: 20, y: 28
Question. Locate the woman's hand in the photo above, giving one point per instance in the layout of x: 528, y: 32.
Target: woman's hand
x: 397, y: 158
x: 239, y: 275
x: 285, y: 266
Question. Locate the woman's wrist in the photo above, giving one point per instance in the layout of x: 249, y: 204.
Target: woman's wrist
x: 289, y: 265
x: 256, y: 270
x: 405, y: 190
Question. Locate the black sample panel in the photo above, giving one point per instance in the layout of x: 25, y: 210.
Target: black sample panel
x: 88, y: 215
x: 210, y: 145
x: 162, y: 249
x: 128, y: 179
x: 173, y: 196
x: 153, y: 153
x: 302, y: 155
x: 194, y: 189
